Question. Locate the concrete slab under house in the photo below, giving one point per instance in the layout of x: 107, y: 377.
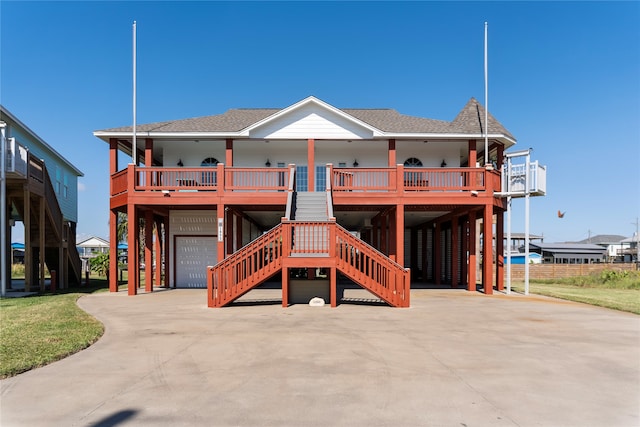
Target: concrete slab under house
x: 312, y: 199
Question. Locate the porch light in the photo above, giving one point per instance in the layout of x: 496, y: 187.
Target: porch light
x: 443, y: 164
x: 355, y: 163
x: 180, y: 163
x: 268, y: 163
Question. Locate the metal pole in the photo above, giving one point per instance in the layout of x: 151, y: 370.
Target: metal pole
x: 526, y: 226
x: 508, y: 188
x: 486, y: 98
x: 3, y: 209
x: 134, y: 152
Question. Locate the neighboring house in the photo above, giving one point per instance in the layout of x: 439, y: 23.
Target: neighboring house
x: 376, y: 196
x: 42, y: 192
x: 569, y: 253
x: 609, y: 241
x: 626, y: 250
x: 92, y: 247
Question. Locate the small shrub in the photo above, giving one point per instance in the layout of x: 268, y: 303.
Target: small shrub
x: 100, y: 264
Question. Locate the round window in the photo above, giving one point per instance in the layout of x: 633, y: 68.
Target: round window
x: 413, y: 162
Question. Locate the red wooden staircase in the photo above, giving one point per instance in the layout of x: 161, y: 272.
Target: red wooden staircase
x: 308, y: 242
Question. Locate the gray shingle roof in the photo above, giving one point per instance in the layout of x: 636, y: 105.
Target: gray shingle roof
x: 469, y: 121
x: 603, y: 239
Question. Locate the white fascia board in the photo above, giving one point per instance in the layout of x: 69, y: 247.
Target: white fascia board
x: 178, y: 135
x: 311, y: 100
x: 509, y: 141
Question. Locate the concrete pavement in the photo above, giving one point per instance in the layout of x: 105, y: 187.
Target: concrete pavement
x: 453, y: 359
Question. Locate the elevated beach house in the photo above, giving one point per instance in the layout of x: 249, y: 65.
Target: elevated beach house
x: 42, y: 193
x: 310, y: 194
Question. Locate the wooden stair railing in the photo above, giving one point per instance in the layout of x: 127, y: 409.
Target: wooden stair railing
x: 245, y: 269
x: 262, y: 258
x: 53, y: 208
x: 371, y: 269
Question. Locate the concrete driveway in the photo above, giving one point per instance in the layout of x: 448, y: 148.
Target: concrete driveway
x: 453, y: 359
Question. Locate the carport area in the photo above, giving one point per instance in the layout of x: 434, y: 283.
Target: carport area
x: 454, y: 358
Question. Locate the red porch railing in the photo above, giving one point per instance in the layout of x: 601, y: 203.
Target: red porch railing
x: 160, y: 178
x: 256, y: 179
x: 119, y: 182
x: 277, y: 179
x: 408, y: 179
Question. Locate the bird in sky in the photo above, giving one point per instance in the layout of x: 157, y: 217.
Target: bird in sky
x: 561, y: 214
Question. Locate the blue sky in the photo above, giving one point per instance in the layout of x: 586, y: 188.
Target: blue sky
x: 564, y: 78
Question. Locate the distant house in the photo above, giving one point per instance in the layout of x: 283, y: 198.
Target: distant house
x: 569, y: 253
x: 92, y: 246
x: 42, y: 193
x: 626, y: 250
x: 609, y: 241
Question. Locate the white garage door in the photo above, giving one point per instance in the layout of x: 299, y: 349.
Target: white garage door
x: 193, y: 255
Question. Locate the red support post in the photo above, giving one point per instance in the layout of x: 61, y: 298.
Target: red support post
x: 229, y: 152
x: 132, y: 250
x: 148, y: 251
x: 311, y: 172
x: 399, y: 232
x: 471, y: 284
x: 500, y: 250
x: 437, y: 251
x: 113, y: 251
x: 464, y: 279
x: 285, y: 287
x: 487, y: 251
x: 455, y: 251
x: 425, y: 252
x: 392, y: 153
x: 333, y: 284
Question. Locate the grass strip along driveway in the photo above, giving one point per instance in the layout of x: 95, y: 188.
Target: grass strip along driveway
x: 38, y: 330
x: 619, y: 290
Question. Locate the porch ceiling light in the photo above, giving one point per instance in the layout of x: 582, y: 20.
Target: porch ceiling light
x: 355, y: 163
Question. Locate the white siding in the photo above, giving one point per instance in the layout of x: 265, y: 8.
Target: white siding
x: 312, y: 121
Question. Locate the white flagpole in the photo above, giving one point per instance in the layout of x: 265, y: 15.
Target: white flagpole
x: 486, y: 99
x: 134, y: 148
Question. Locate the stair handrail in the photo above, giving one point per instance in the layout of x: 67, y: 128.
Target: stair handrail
x: 329, y: 174
x: 290, y: 190
x: 52, y: 202
x: 372, y: 269
x: 246, y: 268
x: 74, y: 256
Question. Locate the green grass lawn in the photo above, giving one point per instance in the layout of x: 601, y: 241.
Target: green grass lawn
x: 616, y: 290
x: 38, y: 330
x: 617, y: 299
